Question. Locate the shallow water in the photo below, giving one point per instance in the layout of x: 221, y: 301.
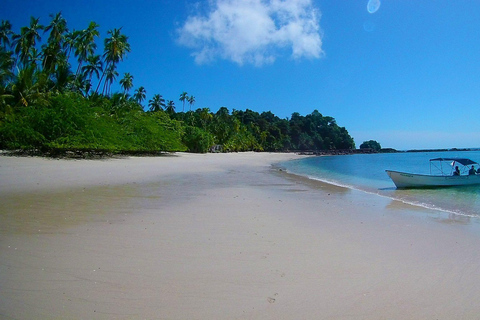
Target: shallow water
x: 366, y: 172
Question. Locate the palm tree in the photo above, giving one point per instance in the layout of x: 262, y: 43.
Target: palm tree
x: 64, y: 78
x: 31, y: 33
x: 205, y: 116
x: 110, y: 75
x: 5, y: 33
x: 69, y: 41
x: 33, y: 57
x: 28, y: 87
x: 170, y: 109
x: 52, y: 52
x: 49, y: 54
x: 91, y: 32
x: 83, y: 85
x: 27, y: 39
x: 94, y: 66
x: 58, y: 29
x: 183, y: 97
x: 83, y: 49
x: 157, y: 103
x: 6, y: 65
x: 116, y: 47
x: 126, y: 82
x: 85, y: 44
x: 191, y: 101
x: 140, y: 95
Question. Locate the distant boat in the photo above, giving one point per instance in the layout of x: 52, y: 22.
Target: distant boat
x: 446, y: 178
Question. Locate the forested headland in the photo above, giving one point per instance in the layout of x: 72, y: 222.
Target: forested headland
x: 55, y: 96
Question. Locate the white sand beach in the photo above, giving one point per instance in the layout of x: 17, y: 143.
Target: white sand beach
x: 221, y: 236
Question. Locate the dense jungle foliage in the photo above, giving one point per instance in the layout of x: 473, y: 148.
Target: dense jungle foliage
x: 57, y: 96
x: 371, y: 144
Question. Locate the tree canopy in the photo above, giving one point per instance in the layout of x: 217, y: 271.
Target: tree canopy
x: 371, y: 144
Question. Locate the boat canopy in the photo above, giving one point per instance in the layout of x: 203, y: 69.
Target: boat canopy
x: 462, y: 161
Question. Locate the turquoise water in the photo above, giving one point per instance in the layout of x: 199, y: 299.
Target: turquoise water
x: 366, y: 172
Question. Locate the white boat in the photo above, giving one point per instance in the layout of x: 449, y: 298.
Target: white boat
x: 445, y: 178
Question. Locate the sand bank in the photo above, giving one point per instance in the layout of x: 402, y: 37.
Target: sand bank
x: 221, y: 236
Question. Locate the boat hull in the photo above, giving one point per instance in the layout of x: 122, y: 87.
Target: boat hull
x: 411, y: 180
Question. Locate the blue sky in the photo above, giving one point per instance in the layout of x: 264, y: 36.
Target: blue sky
x: 407, y: 75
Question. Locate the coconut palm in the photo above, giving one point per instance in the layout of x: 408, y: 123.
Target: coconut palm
x: 157, y: 103
x: 83, y: 85
x: 5, y: 33
x: 91, y: 32
x: 191, y: 101
x: 94, y: 66
x: 52, y: 56
x: 205, y: 116
x: 183, y: 97
x: 63, y: 78
x: 58, y: 29
x: 49, y: 57
x: 31, y: 33
x: 126, y: 82
x: 83, y: 49
x: 69, y: 42
x: 85, y: 44
x: 140, y: 95
x: 28, y: 87
x: 52, y: 52
x: 27, y: 39
x: 116, y: 47
x: 6, y: 65
x: 110, y: 76
x: 170, y: 108
x: 33, y: 57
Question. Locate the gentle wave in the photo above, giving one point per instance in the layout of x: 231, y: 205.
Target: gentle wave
x: 408, y: 202
x: 365, y: 173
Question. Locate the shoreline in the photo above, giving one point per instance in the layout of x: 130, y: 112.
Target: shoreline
x: 221, y: 236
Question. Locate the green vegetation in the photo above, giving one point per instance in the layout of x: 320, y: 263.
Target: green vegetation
x: 371, y: 144
x: 57, y: 96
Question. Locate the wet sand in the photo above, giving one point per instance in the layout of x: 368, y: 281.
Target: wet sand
x: 221, y: 236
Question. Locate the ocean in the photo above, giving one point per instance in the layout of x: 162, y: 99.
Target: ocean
x: 366, y: 173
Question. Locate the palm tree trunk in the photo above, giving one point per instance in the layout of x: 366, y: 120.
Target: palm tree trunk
x: 104, y: 87
x: 100, y: 81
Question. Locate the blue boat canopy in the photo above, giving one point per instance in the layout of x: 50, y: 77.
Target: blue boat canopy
x: 462, y: 161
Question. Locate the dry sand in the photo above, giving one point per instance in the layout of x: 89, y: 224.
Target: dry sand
x: 221, y: 236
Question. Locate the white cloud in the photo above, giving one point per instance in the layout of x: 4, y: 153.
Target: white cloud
x: 253, y: 31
